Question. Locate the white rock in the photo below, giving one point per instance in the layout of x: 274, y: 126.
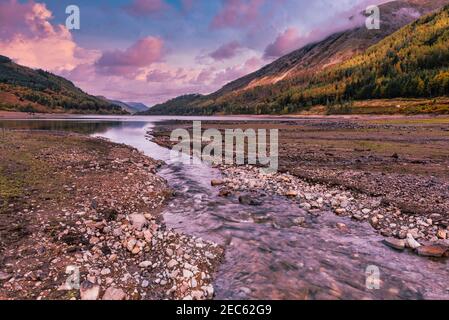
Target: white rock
x: 105, y: 271
x: 172, y: 263
x: 89, y: 291
x: 187, y: 274
x: 131, y: 244
x: 114, y: 294
x: 145, y: 264
x: 411, y: 242
x: 138, y: 221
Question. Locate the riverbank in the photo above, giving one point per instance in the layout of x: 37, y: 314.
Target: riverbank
x: 71, y: 203
x: 390, y: 172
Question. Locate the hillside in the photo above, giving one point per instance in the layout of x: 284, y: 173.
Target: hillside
x: 27, y: 90
x: 294, y: 81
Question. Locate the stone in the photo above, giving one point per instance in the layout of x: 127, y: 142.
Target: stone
x: 105, y: 271
x: 145, y: 264
x: 131, y: 244
x: 249, y: 201
x: 210, y: 291
x: 292, y: 193
x: 145, y: 283
x: 138, y: 221
x: 340, y: 211
x: 366, y: 211
x: 299, y: 221
x: 148, y: 236
x: 187, y: 274
x: 216, y: 182
x: 411, y: 242
x: 374, y: 221
x: 114, y: 294
x: 136, y: 250
x: 342, y: 227
x: 306, y: 206
x: 89, y: 291
x: 395, y: 243
x: 4, y: 276
x: 442, y: 234
x: 432, y: 251
x: 172, y: 263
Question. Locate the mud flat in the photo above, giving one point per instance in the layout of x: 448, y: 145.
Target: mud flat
x: 71, y: 203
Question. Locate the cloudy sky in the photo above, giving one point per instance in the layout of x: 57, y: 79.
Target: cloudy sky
x: 153, y: 50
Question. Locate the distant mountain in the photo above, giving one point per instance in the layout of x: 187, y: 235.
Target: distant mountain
x: 137, y: 106
x: 27, y: 90
x: 174, y: 106
x: 130, y: 107
x: 296, y: 80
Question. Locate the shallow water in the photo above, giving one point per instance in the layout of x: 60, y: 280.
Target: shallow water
x: 267, y: 256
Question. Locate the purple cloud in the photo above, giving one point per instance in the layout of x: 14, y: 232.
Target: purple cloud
x: 126, y: 63
x: 146, y: 7
x: 226, y: 51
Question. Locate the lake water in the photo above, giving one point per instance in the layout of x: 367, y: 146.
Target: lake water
x: 267, y: 256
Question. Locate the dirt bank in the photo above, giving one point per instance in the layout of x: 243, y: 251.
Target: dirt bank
x: 70, y: 202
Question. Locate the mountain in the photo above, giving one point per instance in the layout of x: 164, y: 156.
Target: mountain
x: 279, y: 87
x: 28, y: 90
x: 129, y: 107
x: 137, y: 106
x: 174, y: 106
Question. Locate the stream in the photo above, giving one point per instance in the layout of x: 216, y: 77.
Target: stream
x: 267, y: 255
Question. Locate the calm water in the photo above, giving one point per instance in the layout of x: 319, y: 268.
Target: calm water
x: 267, y: 256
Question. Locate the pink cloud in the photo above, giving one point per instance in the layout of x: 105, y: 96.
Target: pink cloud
x: 286, y: 42
x: 146, y: 7
x: 237, y: 13
x: 232, y: 73
x: 163, y: 74
x: 226, y: 51
x: 143, y: 53
x: 28, y: 37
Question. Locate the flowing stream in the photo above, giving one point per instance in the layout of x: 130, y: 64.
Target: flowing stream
x: 267, y: 255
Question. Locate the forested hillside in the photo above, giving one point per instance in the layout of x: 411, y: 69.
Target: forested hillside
x: 27, y: 90
x: 413, y: 62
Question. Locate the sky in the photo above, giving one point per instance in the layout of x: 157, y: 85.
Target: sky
x: 153, y: 50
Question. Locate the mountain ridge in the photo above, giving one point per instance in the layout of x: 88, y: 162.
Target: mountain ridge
x: 28, y: 90
x: 304, y: 62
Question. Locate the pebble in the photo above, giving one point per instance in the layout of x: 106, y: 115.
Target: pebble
x: 395, y: 243
x: 89, y: 291
x: 138, y: 221
x: 112, y: 293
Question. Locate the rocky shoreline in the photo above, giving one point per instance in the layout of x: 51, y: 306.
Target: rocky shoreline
x: 380, y: 171
x: 93, y: 208
x: 426, y: 236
